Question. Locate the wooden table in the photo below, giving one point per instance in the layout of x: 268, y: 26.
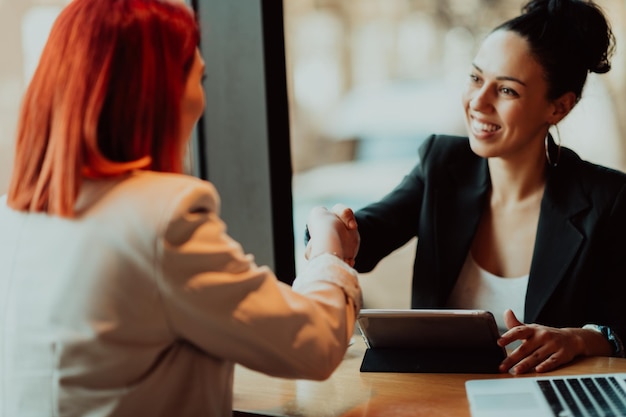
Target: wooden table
x: 350, y: 393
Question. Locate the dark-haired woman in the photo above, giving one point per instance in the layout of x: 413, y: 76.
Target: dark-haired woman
x: 508, y: 220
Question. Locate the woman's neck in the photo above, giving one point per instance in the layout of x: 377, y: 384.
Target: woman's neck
x: 515, y: 182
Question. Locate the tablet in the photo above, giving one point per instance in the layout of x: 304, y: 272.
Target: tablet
x: 422, y: 340
x: 427, y: 328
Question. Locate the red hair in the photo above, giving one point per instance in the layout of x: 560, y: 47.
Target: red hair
x: 104, y: 100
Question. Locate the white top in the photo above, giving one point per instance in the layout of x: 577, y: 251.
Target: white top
x: 477, y: 288
x: 141, y: 305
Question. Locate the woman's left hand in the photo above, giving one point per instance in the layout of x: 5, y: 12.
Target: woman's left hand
x: 542, y: 349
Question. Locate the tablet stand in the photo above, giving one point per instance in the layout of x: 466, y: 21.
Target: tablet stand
x: 433, y: 360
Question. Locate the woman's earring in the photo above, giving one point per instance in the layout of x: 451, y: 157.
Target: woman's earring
x: 558, y: 149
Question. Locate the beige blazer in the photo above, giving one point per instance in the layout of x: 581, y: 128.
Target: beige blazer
x: 142, y: 304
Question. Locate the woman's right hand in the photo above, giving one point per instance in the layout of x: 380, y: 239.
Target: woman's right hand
x: 334, y: 231
x: 545, y: 348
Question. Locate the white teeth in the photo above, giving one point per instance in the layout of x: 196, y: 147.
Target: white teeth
x: 484, y: 127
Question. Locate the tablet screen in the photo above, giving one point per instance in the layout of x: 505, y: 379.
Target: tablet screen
x: 384, y: 328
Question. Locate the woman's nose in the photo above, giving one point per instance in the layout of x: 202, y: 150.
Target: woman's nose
x: 480, y: 100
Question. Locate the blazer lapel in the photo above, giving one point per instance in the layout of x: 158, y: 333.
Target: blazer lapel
x: 558, y: 239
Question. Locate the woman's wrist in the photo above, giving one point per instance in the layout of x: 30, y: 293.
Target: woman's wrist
x: 615, y: 343
x: 325, y: 252
x: 349, y: 261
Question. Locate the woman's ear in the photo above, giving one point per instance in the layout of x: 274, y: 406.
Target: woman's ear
x: 561, y: 107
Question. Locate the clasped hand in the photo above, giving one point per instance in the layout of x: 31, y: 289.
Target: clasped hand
x: 333, y: 231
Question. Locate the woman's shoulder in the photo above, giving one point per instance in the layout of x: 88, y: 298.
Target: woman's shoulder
x: 441, y: 151
x: 178, y: 190
x: 445, y: 146
x: 587, y: 171
x: 149, y: 194
x: 446, y: 143
x: 598, y: 182
x: 167, y: 181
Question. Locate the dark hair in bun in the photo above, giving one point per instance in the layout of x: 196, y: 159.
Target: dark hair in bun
x: 569, y: 38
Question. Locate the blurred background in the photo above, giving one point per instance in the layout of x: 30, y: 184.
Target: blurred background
x: 368, y: 80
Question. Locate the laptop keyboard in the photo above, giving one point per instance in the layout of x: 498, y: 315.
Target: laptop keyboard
x: 584, y: 396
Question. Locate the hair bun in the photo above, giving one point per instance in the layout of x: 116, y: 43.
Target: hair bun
x: 583, y: 25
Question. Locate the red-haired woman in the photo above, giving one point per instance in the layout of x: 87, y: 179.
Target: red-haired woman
x: 121, y: 293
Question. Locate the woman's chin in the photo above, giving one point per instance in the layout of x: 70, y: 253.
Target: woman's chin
x: 481, y: 147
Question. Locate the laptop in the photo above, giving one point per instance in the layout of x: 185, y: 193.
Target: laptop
x: 561, y: 396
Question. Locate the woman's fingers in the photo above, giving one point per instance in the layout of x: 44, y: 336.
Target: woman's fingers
x: 346, y: 215
x: 510, y: 319
x: 517, y: 329
x: 543, y: 348
x: 552, y: 362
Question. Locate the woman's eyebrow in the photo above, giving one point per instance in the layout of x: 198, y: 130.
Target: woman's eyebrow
x: 502, y: 77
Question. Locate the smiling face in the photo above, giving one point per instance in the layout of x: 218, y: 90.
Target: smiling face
x: 506, y: 109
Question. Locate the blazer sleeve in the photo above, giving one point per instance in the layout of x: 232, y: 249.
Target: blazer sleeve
x: 386, y: 225
x: 218, y: 299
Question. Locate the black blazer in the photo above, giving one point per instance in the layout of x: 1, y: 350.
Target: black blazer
x: 578, y: 270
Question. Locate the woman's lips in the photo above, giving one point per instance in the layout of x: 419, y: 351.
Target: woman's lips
x: 482, y: 128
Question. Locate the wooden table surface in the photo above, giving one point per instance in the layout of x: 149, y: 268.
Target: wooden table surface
x: 351, y: 393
